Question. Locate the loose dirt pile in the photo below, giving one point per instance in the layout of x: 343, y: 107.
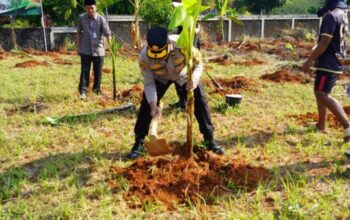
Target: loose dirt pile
x: 296, y: 49
x: 231, y: 86
x: 135, y: 92
x: 287, y: 75
x: 225, y: 60
x: 106, y: 99
x: 174, y: 180
x: 107, y: 70
x: 248, y: 63
x: 129, y: 52
x: 60, y: 61
x: 31, y: 63
x: 332, y: 121
x: 2, y: 55
x: 55, y: 53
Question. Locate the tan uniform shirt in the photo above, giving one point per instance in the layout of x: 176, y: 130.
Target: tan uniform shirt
x: 164, y: 70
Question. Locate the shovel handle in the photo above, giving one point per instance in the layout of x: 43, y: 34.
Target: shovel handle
x: 154, y: 123
x: 154, y: 126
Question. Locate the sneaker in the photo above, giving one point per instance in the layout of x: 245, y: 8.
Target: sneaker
x: 213, y: 146
x: 82, y: 96
x: 137, y: 150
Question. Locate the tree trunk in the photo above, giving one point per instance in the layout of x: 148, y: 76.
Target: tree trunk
x: 13, y: 34
x: 190, y: 109
x: 220, y: 30
x: 136, y: 26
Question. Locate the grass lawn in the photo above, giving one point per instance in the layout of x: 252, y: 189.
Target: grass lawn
x: 62, y: 172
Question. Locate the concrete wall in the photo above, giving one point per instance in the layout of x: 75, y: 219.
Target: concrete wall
x: 254, y: 26
x: 251, y: 28
x: 25, y: 37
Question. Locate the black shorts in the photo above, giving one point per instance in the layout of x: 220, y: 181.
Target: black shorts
x: 325, y: 81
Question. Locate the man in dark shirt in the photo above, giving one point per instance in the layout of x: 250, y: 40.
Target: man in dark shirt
x: 91, y: 30
x: 327, y: 65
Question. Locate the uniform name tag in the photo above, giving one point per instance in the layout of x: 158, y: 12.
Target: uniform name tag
x: 94, y: 35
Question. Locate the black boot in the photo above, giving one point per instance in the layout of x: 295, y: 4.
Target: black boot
x: 137, y: 149
x: 179, y: 105
x: 213, y: 146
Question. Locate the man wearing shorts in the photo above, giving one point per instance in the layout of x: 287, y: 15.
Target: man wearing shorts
x: 327, y: 65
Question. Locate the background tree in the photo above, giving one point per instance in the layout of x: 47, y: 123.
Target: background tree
x: 157, y: 12
x: 102, y: 5
x: 261, y: 6
x: 135, y: 27
x: 299, y: 7
x: 222, y: 13
x: 122, y: 7
x: 64, y: 12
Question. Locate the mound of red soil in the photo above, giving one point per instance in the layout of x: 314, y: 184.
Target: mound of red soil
x: 106, y: 99
x: 253, y: 62
x: 129, y: 52
x: 32, y: 63
x: 226, y: 61
x: 231, y: 86
x: 174, y: 180
x: 332, y: 121
x: 136, y: 91
x: 276, y: 47
x: 65, y: 52
x: 62, y: 62
x: 106, y: 70
x: 286, y: 75
x: 41, y: 53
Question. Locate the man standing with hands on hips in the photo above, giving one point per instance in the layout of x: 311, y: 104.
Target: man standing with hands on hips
x: 91, y: 30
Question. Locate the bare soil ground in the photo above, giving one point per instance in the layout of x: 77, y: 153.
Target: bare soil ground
x: 175, y: 180
x: 287, y: 75
x: 231, y: 86
x: 332, y: 121
x: 31, y: 63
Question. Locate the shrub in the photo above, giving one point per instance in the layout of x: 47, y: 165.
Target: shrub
x: 157, y: 12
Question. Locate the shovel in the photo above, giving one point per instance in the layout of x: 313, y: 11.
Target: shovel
x: 155, y: 146
x: 216, y: 83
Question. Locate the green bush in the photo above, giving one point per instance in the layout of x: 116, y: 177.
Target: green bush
x: 299, y: 7
x: 68, y: 44
x: 157, y: 12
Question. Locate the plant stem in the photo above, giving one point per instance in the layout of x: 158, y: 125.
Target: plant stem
x: 114, y: 79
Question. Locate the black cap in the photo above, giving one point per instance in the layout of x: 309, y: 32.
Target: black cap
x: 157, y: 41
x: 90, y: 2
x: 330, y: 5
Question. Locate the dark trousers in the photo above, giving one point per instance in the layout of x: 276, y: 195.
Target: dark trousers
x: 201, y: 111
x: 182, y: 94
x: 86, y: 61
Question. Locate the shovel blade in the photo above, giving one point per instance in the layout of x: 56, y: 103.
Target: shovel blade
x: 158, y: 147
